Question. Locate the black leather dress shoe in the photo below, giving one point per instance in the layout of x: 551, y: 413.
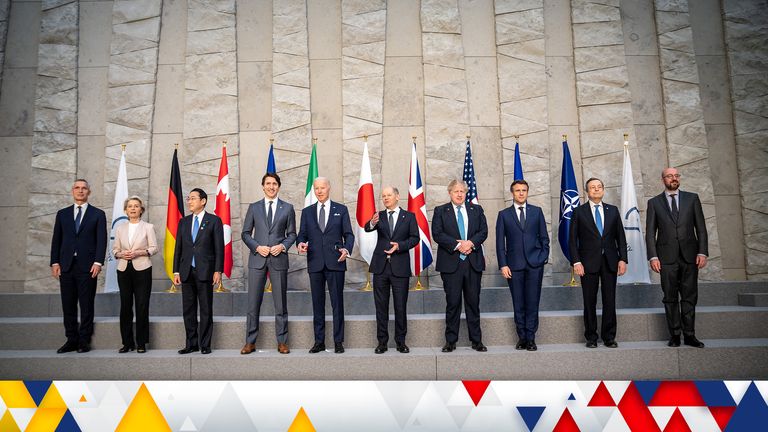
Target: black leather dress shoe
x: 125, y: 349
x: 83, y: 348
x: 403, y: 348
x: 188, y: 350
x: 479, y: 347
x: 205, y: 350
x: 611, y: 344
x: 67, y: 347
x: 531, y: 346
x: 338, y: 348
x: 674, y: 341
x: 141, y: 349
x: 381, y: 349
x: 521, y: 344
x: 317, y: 347
x: 692, y: 341
x: 449, y: 347
x: 591, y: 344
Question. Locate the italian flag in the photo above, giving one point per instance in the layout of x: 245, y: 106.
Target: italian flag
x: 309, y: 196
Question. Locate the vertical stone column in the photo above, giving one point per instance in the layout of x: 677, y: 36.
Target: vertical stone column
x: 54, y: 144
x: 686, y: 134
x: 745, y: 24
x: 210, y: 110
x: 5, y: 8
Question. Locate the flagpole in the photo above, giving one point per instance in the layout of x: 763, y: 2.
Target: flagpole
x: 268, y: 287
x: 419, y: 286
x: 173, y: 289
x: 220, y: 288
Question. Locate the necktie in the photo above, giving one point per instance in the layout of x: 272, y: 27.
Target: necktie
x: 522, y: 217
x: 598, y: 219
x: 269, y: 215
x: 195, y: 229
x: 462, y: 232
x: 675, y: 210
x: 321, y: 220
x: 391, y: 224
x: 78, y: 218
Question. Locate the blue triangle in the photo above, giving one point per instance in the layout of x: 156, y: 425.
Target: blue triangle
x: 571, y: 397
x: 37, y: 389
x: 751, y: 412
x: 647, y: 389
x: 531, y: 415
x: 715, y: 393
x: 68, y: 424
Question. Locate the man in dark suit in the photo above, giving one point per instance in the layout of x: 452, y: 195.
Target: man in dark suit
x: 676, y: 239
x: 269, y: 230
x: 78, y: 250
x: 460, y: 229
x: 325, y: 234
x: 391, y: 266
x: 197, y: 265
x: 522, y: 249
x: 599, y: 255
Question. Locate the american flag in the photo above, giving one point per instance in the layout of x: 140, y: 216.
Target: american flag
x: 469, y: 176
x: 421, y: 255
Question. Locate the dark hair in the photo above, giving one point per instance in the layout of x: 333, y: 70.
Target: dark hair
x: 591, y: 179
x: 517, y: 182
x: 203, y: 195
x: 273, y: 175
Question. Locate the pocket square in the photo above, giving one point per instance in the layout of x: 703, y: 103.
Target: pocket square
x: 337, y: 214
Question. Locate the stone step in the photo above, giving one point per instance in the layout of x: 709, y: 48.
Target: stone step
x: 753, y: 299
x: 425, y: 330
x: 736, y: 359
x: 492, y: 299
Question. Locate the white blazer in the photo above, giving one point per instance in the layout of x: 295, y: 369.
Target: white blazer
x: 143, y: 244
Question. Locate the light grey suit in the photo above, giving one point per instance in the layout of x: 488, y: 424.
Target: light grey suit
x: 258, y: 232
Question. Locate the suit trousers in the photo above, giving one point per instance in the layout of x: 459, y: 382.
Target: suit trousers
x: 382, y: 284
x: 605, y: 281
x: 257, y: 279
x: 335, y: 281
x: 465, y: 280
x: 77, y: 288
x: 525, y: 287
x: 135, y: 285
x: 194, y: 291
x: 679, y: 282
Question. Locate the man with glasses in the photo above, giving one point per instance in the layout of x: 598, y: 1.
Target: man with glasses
x: 676, y: 239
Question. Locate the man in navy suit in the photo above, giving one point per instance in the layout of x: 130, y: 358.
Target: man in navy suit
x: 522, y: 249
x: 325, y: 234
x: 599, y: 254
x: 78, y: 250
x: 198, y: 262
x: 460, y: 228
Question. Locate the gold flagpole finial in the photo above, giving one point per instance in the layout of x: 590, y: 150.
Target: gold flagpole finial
x: 517, y: 137
x: 122, y: 146
x: 314, y: 141
x: 224, y: 142
x: 414, y: 139
x: 565, y: 137
x: 271, y: 140
x: 467, y: 137
x: 626, y: 136
x: 365, y: 138
x: 176, y: 146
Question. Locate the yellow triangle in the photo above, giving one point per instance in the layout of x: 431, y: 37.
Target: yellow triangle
x: 8, y: 424
x: 83, y: 399
x: 46, y: 419
x: 301, y: 423
x: 53, y: 399
x: 143, y: 414
x: 16, y: 395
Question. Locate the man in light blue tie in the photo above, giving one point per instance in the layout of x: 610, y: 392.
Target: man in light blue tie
x: 599, y: 254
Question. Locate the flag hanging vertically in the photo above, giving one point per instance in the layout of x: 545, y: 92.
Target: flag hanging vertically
x: 366, y: 207
x: 421, y: 255
x: 309, y: 195
x: 469, y: 176
x: 118, y: 218
x: 271, y: 167
x: 569, y: 200
x: 518, y: 174
x: 173, y: 215
x: 222, y: 210
x: 637, y: 267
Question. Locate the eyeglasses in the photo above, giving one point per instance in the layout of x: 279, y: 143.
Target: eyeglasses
x: 671, y: 176
x: 191, y: 198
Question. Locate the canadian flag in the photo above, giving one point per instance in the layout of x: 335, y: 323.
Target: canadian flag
x: 366, y: 207
x: 222, y: 210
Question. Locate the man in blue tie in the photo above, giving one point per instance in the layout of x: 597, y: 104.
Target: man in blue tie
x: 598, y: 254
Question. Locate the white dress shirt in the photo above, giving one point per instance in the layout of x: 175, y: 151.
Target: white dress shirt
x: 327, y: 211
x: 464, y: 215
x: 525, y: 210
x: 82, y: 215
x: 266, y: 208
x: 600, y: 209
x: 199, y: 217
x: 396, y: 213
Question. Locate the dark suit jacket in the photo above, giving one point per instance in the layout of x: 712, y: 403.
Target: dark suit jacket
x: 517, y: 247
x: 90, y: 242
x: 208, y: 247
x: 666, y: 239
x: 445, y: 231
x: 406, y: 236
x: 588, y: 246
x: 323, y: 251
x: 256, y: 232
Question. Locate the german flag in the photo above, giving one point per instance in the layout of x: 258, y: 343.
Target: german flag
x: 173, y: 215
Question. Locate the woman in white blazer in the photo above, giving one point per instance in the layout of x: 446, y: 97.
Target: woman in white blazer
x: 134, y: 244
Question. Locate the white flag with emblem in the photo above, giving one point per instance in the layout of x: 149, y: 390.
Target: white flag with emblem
x: 637, y: 268
x: 118, y: 218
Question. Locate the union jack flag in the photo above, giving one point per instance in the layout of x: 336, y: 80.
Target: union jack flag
x: 469, y: 176
x: 421, y: 255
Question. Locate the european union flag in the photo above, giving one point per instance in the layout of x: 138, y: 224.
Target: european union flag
x: 569, y: 200
x: 518, y: 164
x: 271, y: 160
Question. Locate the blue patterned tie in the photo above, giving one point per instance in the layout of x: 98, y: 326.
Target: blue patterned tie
x: 78, y: 218
x: 462, y: 233
x: 195, y: 229
x: 598, y: 219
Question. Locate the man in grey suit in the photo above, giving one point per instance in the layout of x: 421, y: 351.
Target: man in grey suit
x: 676, y: 239
x: 268, y: 231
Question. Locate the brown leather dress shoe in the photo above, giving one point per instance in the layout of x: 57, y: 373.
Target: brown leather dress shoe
x: 283, y: 348
x: 248, y: 348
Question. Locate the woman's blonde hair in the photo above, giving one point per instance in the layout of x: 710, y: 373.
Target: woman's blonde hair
x: 134, y: 198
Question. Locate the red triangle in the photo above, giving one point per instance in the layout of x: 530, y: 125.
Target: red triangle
x: 476, y: 389
x: 635, y: 412
x: 722, y: 415
x: 601, y: 398
x: 566, y: 423
x: 677, y: 393
x: 677, y: 423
